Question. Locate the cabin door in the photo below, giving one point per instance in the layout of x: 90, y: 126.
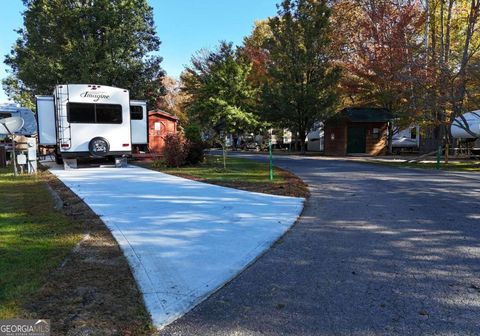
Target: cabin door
x: 356, y: 140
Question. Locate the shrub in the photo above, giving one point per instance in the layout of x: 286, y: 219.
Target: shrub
x: 176, y: 150
x: 195, y: 153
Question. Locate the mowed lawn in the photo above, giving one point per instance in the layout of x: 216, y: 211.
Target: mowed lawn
x: 34, y: 239
x: 241, y: 174
x: 238, y: 169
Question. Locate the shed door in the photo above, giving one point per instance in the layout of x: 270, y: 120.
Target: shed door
x: 356, y: 140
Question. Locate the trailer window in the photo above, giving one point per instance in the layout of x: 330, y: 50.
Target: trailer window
x: 108, y: 114
x: 5, y: 115
x: 81, y: 113
x: 136, y: 112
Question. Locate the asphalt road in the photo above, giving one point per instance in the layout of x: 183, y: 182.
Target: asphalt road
x: 377, y: 251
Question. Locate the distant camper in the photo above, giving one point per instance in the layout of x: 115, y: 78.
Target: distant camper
x: 8, y: 110
x: 81, y: 120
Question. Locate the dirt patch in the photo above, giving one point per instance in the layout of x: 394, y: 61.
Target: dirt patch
x: 93, y: 292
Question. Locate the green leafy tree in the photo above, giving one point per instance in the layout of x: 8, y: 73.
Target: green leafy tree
x: 303, y: 81
x: 107, y: 42
x: 221, y: 96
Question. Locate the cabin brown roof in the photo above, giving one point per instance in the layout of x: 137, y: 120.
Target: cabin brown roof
x: 364, y: 114
x: 163, y: 114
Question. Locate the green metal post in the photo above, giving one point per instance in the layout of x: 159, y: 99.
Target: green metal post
x: 439, y: 154
x: 271, y: 163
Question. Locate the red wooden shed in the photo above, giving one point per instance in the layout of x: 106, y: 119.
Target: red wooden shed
x: 160, y: 123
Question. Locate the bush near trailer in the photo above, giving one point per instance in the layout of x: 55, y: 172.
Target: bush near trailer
x: 195, y: 153
x: 176, y: 150
x: 180, y: 151
x: 196, y: 146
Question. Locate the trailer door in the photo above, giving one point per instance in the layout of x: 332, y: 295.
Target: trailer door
x: 138, y: 117
x: 47, y: 135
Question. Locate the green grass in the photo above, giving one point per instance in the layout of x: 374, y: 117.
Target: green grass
x: 238, y: 170
x: 466, y: 166
x: 34, y: 239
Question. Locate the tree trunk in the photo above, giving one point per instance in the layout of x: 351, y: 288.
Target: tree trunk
x: 224, y: 157
x: 390, y: 138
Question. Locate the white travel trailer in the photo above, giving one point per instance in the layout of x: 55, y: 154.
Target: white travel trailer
x: 315, y: 138
x: 8, y: 110
x: 406, y: 139
x: 472, y: 123
x: 472, y: 136
x: 315, y: 141
x: 82, y: 120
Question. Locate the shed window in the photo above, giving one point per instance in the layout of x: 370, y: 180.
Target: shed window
x: 86, y: 113
x: 136, y: 112
x: 158, y: 128
x: 376, y: 133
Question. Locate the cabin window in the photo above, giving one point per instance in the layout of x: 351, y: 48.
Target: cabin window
x: 136, y: 112
x: 5, y: 115
x: 108, y: 114
x: 85, y: 113
x: 376, y: 133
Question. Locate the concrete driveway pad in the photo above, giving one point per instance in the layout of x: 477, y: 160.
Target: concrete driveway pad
x: 183, y: 239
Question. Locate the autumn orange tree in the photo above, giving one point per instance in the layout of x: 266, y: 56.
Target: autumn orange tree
x: 382, y: 53
x: 420, y: 59
x: 255, y: 49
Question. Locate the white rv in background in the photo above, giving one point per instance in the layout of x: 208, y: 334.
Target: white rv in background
x: 472, y: 136
x: 472, y: 122
x: 8, y: 110
x: 83, y: 120
x: 406, y: 139
x: 316, y: 138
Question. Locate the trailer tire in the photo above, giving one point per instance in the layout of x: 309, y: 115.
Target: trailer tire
x: 58, y: 159
x: 99, y: 147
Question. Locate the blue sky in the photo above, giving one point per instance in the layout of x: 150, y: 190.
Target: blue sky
x: 184, y: 26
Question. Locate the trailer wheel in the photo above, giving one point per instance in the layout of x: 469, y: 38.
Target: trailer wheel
x: 98, y: 147
x: 58, y: 159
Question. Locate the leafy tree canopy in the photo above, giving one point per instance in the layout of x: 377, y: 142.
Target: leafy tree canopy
x: 303, y: 80
x: 80, y: 41
x: 220, y: 92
